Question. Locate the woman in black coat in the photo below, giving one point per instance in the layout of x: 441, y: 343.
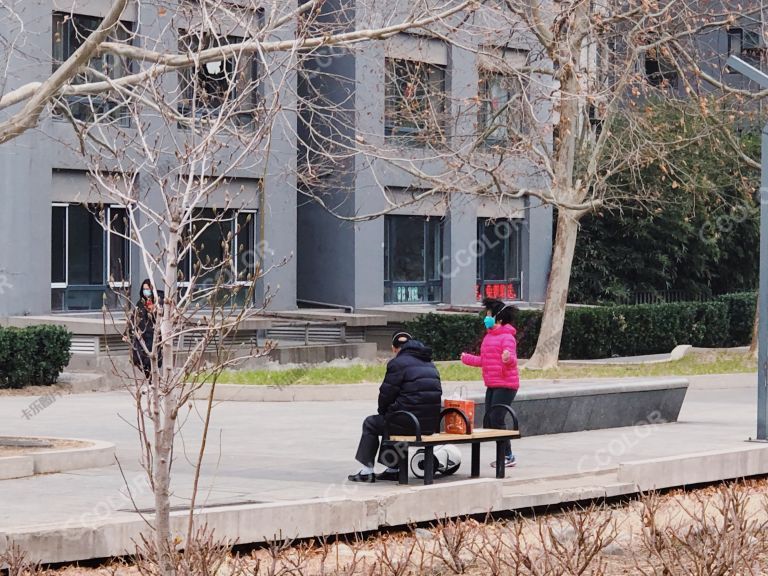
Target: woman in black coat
x: 141, y: 328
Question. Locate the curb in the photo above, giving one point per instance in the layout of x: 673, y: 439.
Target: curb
x: 370, y: 391
x: 97, y: 454
x: 360, y: 510
x: 678, y: 353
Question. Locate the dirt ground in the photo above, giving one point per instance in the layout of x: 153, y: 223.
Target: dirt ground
x: 56, y: 445
x: 60, y: 388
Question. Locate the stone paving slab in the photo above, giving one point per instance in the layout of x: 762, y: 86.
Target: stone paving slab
x: 293, y: 458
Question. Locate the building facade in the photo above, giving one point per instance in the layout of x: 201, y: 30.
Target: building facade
x: 56, y: 253
x: 63, y: 245
x: 424, y: 246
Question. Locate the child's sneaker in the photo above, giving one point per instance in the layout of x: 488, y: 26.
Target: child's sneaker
x: 509, y: 462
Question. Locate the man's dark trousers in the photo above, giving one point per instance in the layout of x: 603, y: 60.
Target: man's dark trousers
x: 373, y: 427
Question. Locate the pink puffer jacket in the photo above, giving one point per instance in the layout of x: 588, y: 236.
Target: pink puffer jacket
x: 497, y: 373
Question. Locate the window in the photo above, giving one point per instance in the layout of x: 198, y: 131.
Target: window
x: 498, y: 260
x: 87, y: 261
x: 414, y: 107
x: 412, y: 255
x: 69, y: 33
x: 745, y: 44
x: 224, y: 249
x: 228, y: 86
x: 501, y: 115
x: 659, y: 72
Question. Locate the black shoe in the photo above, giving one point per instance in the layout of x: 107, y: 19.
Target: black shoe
x: 388, y: 476
x: 360, y: 477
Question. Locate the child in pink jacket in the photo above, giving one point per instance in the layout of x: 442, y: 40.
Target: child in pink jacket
x: 498, y: 359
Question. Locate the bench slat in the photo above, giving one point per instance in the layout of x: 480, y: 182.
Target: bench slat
x: 443, y: 438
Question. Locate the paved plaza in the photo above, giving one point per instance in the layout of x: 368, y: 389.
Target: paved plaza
x: 264, y: 455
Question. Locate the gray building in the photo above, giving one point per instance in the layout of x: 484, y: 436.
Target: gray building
x: 424, y: 247
x: 55, y: 255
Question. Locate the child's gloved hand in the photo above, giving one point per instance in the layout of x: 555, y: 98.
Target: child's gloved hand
x: 506, y: 356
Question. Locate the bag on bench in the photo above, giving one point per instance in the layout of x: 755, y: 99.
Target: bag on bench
x: 454, y: 424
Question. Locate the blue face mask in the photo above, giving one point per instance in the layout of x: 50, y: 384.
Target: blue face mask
x: 489, y: 322
x: 147, y: 293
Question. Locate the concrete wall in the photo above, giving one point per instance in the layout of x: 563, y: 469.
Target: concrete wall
x: 326, y: 244
x: 28, y: 165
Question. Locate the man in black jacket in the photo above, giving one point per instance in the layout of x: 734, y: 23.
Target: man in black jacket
x: 412, y: 383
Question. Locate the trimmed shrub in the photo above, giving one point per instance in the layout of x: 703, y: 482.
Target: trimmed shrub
x: 448, y: 334
x: 33, y: 356
x: 741, y: 310
x: 602, y: 331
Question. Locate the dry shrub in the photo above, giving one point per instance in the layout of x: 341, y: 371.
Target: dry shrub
x: 705, y: 533
x: 16, y: 563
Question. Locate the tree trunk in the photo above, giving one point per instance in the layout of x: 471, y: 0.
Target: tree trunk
x: 162, y: 484
x: 548, y: 345
x: 166, y: 392
x: 753, y: 347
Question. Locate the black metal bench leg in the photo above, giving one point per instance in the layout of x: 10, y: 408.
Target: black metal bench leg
x: 475, y: 459
x: 402, y: 459
x: 500, y: 459
x: 429, y: 465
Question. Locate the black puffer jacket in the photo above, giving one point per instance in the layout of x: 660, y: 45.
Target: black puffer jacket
x: 412, y: 383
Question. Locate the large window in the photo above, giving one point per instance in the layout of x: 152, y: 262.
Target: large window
x: 90, y: 256
x: 745, y: 44
x: 501, y: 115
x: 659, y: 71
x: 498, y: 260
x: 414, y: 108
x: 223, y: 251
x: 69, y: 33
x: 228, y: 86
x: 413, y: 248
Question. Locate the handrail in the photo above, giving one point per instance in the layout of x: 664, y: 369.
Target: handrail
x: 414, y: 421
x: 515, y: 421
x: 326, y: 304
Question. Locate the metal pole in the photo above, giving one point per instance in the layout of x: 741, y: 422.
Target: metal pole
x: 761, y: 79
x: 762, y: 329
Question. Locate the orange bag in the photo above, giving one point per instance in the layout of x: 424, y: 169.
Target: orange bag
x: 454, y: 424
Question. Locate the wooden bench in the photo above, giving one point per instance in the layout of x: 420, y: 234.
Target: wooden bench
x: 400, y: 443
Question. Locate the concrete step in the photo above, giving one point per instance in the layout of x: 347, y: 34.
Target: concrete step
x: 549, y: 491
x: 82, y: 381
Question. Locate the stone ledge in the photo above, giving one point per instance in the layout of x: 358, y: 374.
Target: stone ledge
x: 560, y: 408
x: 364, y: 510
x: 96, y: 455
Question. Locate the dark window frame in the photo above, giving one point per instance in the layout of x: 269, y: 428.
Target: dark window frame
x: 64, y: 290
x: 68, y: 32
x: 429, y: 288
x: 745, y: 44
x: 658, y: 72
x: 195, y: 98
x: 512, y: 259
x: 411, y: 89
x: 238, y: 225
x: 514, y: 118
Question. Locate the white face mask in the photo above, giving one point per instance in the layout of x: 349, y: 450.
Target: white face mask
x: 147, y: 293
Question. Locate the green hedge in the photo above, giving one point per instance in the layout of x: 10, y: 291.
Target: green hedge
x: 741, y: 310
x: 605, y: 331
x: 33, y: 356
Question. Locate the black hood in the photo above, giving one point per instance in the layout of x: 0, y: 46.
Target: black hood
x: 417, y: 350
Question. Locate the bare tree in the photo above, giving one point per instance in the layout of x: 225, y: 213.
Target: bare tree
x: 176, y: 124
